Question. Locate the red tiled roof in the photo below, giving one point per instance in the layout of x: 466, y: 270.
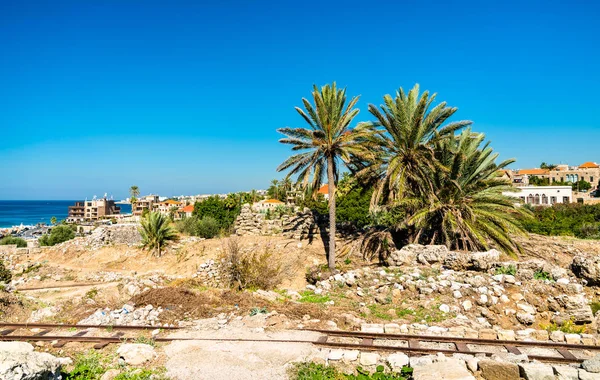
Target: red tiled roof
x: 589, y: 165
x: 171, y: 202
x: 533, y: 171
x: 324, y: 189
x: 188, y: 208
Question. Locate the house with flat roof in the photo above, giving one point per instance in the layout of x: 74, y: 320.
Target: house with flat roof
x: 543, y: 195
x: 92, y: 210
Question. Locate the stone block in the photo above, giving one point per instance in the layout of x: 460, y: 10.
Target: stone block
x: 506, y: 335
x: 369, y: 358
x: 376, y: 328
x: 397, y: 361
x: 573, y: 338
x: 392, y: 328
x: 536, y: 371
x: 487, y: 334
x: 498, y: 370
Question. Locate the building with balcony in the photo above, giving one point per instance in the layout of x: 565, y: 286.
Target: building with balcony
x: 93, y: 210
x: 147, y: 202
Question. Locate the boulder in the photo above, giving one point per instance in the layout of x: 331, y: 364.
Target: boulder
x: 587, y: 268
x: 18, y: 361
x: 498, y: 370
x: 592, y: 365
x: 576, y: 308
x: 482, y: 261
x: 136, y: 353
x: 564, y: 372
x: 450, y: 369
x: 536, y: 371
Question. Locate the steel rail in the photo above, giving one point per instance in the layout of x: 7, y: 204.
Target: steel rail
x: 69, y: 326
x: 448, y: 339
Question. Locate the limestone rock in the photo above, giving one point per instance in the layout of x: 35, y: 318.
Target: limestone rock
x: 536, y: 371
x: 18, y: 361
x: 136, y: 353
x: 564, y: 372
x: 498, y: 370
x: 450, y: 369
x: 592, y: 365
x: 587, y: 268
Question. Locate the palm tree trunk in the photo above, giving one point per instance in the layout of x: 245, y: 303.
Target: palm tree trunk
x: 331, y: 186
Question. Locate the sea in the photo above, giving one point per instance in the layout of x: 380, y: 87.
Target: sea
x: 15, y: 213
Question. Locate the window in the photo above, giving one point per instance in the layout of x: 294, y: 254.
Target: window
x: 530, y: 199
x: 565, y: 199
x: 537, y: 199
x: 544, y: 199
x: 552, y: 200
x: 592, y: 180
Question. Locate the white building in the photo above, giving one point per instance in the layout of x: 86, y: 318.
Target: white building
x: 543, y: 195
x: 267, y: 204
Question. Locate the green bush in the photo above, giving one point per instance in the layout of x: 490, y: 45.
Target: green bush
x: 208, y: 227
x: 88, y: 366
x: 5, y: 275
x: 579, y: 220
x: 10, y: 240
x: 224, y: 211
x: 511, y: 269
x: 57, y: 235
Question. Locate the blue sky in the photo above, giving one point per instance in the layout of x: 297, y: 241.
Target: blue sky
x: 182, y: 97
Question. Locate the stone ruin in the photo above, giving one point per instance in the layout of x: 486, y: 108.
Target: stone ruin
x: 302, y: 224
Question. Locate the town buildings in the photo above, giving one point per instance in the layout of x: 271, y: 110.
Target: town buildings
x: 588, y: 171
x: 166, y: 207
x: 267, y: 204
x: 144, y: 203
x: 93, y: 210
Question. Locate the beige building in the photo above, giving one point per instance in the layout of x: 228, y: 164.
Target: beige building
x: 589, y: 172
x: 543, y: 195
x: 267, y: 204
x: 93, y: 210
x: 144, y: 203
x: 166, y: 206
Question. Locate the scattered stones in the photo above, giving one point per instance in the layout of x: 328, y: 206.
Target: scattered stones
x: 127, y: 315
x: 536, y: 371
x: 592, y: 365
x: 397, y: 361
x: 450, y: 369
x: 368, y: 358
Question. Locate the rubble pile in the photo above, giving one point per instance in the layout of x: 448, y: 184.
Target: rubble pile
x: 209, y: 274
x: 116, y: 234
x: 127, y: 315
x: 474, y: 289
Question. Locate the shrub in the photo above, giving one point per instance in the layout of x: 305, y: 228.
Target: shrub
x: 218, y: 209
x: 5, y: 275
x: 573, y: 219
x: 313, y: 371
x: 88, y: 366
x: 250, y: 270
x: 57, y: 235
x: 208, y: 227
x: 11, y: 240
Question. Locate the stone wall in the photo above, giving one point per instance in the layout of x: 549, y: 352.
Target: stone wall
x: 301, y: 225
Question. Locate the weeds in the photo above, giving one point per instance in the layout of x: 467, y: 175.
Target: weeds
x: 377, y: 312
x: 91, y: 294
x: 144, y: 340
x: 595, y: 307
x: 568, y: 327
x: 88, y: 366
x: 309, y: 297
x: 257, y: 310
x: 510, y: 269
x: 541, y: 275
x: 313, y: 371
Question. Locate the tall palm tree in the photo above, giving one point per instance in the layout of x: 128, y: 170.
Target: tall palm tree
x: 467, y: 208
x: 411, y: 127
x: 134, y: 192
x: 328, y: 142
x: 156, y: 232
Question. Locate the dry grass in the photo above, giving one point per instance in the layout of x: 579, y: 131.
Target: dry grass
x: 252, y: 270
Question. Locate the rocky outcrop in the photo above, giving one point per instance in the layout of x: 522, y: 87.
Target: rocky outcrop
x: 18, y: 361
x: 136, y: 353
x: 588, y: 268
x: 413, y: 254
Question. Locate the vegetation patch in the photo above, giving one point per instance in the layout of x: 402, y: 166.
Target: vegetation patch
x: 11, y: 240
x: 57, y: 235
x: 308, y: 296
x: 5, y: 274
x: 541, y: 275
x: 313, y: 371
x: 574, y: 219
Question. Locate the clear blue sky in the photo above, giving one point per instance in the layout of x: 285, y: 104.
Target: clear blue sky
x: 184, y: 97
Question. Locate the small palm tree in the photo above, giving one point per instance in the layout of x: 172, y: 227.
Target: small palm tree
x: 156, y: 232
x: 467, y: 208
x: 328, y: 143
x: 134, y: 192
x: 406, y: 156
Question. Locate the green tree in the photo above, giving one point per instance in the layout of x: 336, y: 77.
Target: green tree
x: 218, y: 209
x: 582, y: 185
x: 58, y: 234
x: 329, y: 142
x: 134, y: 192
x: 53, y: 220
x: 156, y: 232
x: 547, y: 166
x: 11, y: 240
x: 467, y: 208
x: 406, y: 156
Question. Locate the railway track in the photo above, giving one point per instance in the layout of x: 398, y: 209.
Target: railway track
x: 409, y: 344
x: 425, y: 345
